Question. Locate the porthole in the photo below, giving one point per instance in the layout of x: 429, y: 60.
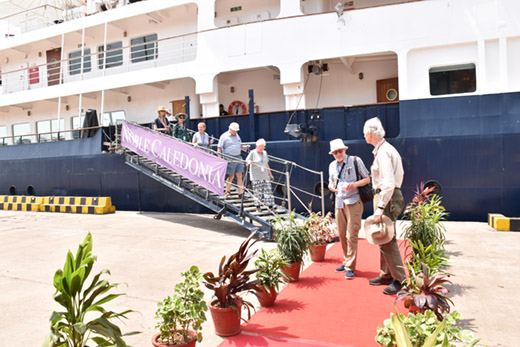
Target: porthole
x: 391, y: 94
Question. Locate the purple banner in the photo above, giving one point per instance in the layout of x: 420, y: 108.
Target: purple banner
x: 206, y: 170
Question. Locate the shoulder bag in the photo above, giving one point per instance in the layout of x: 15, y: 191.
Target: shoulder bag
x: 365, y: 192
x: 332, y: 194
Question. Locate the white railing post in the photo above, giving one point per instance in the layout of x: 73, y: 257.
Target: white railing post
x: 322, y: 195
x: 288, y: 183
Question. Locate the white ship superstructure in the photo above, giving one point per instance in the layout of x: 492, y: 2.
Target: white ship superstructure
x: 294, y: 54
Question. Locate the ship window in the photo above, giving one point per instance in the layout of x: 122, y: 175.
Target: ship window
x: 114, y: 55
x: 111, y: 118
x: 453, y: 79
x: 77, y: 123
x: 144, y: 48
x: 19, y: 130
x: 75, y: 62
x: 45, y: 127
x: 3, y: 134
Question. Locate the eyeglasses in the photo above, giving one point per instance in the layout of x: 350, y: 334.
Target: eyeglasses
x: 337, y: 152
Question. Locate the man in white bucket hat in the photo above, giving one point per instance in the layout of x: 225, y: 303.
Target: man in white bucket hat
x: 348, y: 206
x: 387, y: 175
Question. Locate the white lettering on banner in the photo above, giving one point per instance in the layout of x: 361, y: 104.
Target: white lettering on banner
x: 167, y: 153
x: 153, y: 147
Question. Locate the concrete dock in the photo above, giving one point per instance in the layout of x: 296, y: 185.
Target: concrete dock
x: 148, y: 251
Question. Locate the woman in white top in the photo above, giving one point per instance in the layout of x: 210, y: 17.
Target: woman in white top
x: 260, y: 175
x: 201, y: 138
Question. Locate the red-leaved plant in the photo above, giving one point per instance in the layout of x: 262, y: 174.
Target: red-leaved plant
x: 233, y: 278
x: 427, y: 293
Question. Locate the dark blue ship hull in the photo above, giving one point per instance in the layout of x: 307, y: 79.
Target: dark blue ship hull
x: 467, y: 144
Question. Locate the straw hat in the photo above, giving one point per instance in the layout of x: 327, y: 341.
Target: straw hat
x: 337, y: 144
x: 379, y: 233
x: 181, y: 114
x: 234, y: 126
x: 162, y: 108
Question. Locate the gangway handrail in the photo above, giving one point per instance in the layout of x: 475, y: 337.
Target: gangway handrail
x: 288, y: 165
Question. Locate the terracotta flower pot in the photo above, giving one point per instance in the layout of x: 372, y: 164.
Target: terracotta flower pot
x: 266, y: 298
x: 293, y: 271
x: 318, y: 252
x: 226, y: 320
x: 192, y: 337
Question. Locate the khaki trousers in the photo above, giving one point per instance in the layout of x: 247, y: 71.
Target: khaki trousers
x: 348, y: 221
x: 390, y: 258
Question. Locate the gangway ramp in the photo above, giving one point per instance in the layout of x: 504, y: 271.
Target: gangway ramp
x: 240, y: 209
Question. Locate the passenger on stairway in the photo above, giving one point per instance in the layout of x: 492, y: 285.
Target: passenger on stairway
x: 387, y: 175
x: 179, y: 129
x: 161, y: 123
x: 230, y: 144
x: 348, y: 205
x: 260, y: 175
x: 201, y: 138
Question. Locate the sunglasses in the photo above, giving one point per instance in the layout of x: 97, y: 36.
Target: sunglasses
x: 337, y: 152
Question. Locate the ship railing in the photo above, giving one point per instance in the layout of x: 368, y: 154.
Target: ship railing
x: 283, y: 170
x: 114, y: 60
x: 32, y: 19
x: 42, y: 137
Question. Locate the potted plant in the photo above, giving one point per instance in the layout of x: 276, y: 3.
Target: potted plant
x: 321, y: 230
x: 423, y: 330
x: 232, y: 280
x: 269, y: 275
x: 181, y: 316
x: 293, y: 240
x: 425, y: 213
x: 426, y: 293
x: 84, y: 318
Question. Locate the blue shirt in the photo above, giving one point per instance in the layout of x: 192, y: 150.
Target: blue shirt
x: 230, y: 144
x: 348, y: 175
x: 201, y: 140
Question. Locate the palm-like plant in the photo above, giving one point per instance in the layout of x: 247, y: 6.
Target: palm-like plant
x: 432, y: 256
x: 233, y: 278
x: 71, y: 328
x: 269, y: 264
x: 426, y: 293
x: 425, y: 213
x: 292, y: 237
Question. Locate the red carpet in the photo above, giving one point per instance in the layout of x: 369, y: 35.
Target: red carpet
x: 323, y: 308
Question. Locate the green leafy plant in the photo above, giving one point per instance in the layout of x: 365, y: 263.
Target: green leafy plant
x: 292, y: 237
x: 425, y: 213
x: 233, y: 278
x: 432, y: 256
x: 426, y: 293
x: 185, y: 310
x: 71, y: 327
x: 269, y: 265
x: 321, y: 228
x: 423, y: 330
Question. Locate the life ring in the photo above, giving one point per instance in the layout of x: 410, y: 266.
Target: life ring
x: 237, y: 107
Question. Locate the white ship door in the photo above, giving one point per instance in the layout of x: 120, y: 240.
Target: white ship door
x: 53, y: 66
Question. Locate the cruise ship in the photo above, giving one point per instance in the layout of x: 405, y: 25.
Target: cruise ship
x: 442, y: 75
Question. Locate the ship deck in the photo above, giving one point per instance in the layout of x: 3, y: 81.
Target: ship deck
x: 148, y: 251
